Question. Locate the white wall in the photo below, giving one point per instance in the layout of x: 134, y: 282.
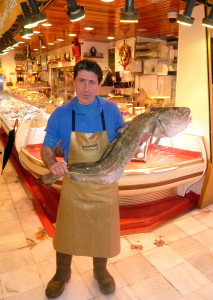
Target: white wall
x: 192, y: 79
x: 192, y: 74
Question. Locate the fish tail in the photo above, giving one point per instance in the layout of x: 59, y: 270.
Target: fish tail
x: 48, y: 179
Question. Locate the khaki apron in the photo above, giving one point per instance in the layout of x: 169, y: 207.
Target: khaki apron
x: 88, y: 222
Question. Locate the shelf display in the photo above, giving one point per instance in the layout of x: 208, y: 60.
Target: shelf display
x: 62, y: 83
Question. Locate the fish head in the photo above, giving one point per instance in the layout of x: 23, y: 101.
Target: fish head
x: 171, y: 120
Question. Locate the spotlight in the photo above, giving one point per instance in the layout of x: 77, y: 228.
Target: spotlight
x: 129, y: 14
x: 208, y: 21
x: 75, y: 12
x: 28, y: 21
x: 6, y: 41
x: 186, y: 18
x: 37, y: 17
x: 26, y: 32
x: 11, y: 39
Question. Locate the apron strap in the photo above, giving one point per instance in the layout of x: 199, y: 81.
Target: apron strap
x: 102, y: 120
x: 73, y: 120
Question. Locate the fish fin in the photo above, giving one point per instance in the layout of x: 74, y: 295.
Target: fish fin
x: 123, y: 127
x: 109, y: 148
x: 48, y: 179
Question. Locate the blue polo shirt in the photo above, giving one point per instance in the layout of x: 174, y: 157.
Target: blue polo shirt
x: 59, y: 127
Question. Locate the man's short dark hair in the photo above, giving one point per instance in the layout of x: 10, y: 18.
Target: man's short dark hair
x: 88, y: 65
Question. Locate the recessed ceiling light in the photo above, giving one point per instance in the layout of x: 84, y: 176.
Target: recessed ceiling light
x: 36, y: 49
x: 43, y: 46
x: 35, y: 31
x: 107, y: 0
x: 110, y: 37
x: 60, y: 40
x: 155, y: 1
x: 72, y: 34
x: 141, y: 29
x: 21, y: 42
x: 88, y: 28
x: 46, y: 24
x: 51, y: 44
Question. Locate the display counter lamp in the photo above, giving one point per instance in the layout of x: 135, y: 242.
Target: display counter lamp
x: 186, y: 18
x: 129, y: 14
x: 75, y: 12
x: 26, y: 32
x: 208, y: 21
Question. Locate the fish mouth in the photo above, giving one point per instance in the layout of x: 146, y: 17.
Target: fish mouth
x: 185, y: 111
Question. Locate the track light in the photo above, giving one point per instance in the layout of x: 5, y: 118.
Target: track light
x: 11, y: 39
x: 26, y: 32
x: 27, y: 22
x: 186, y: 18
x: 31, y: 20
x: 3, y: 45
x: 37, y: 16
x: 208, y: 21
x: 75, y: 12
x: 129, y: 14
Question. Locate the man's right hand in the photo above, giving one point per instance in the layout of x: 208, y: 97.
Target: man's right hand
x: 58, y: 168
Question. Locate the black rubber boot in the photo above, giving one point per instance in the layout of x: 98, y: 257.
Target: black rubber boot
x: 63, y: 273
x: 105, y: 281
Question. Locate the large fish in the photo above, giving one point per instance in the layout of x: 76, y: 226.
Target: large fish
x: 157, y: 122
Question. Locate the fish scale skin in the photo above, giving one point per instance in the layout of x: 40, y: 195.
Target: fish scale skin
x: 160, y: 122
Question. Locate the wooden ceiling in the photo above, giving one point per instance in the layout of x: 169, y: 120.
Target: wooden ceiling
x: 104, y: 17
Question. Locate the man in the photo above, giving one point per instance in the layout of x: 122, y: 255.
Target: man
x: 88, y: 215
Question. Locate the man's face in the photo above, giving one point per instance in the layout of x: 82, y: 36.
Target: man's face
x: 86, y: 86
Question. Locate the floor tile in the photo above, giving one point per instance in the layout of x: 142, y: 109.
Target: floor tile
x: 8, y: 215
x: 189, y: 248
x: 195, y: 225
x: 10, y: 227
x: 163, y: 257
x: 126, y: 250
x: 205, y: 238
x: 145, y: 240
x: 204, y: 293
x: 12, y: 242
x: 135, y: 268
x: 147, y: 288
x: 205, y: 217
x: 34, y: 294
x: 185, y: 278
x: 43, y: 251
x: 82, y: 263
x: 20, y: 281
x: 169, y: 232
x: 13, y: 260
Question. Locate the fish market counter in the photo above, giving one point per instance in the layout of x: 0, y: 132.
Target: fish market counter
x: 154, y: 186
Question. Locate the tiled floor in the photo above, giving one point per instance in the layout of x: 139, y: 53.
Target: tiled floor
x: 175, y: 262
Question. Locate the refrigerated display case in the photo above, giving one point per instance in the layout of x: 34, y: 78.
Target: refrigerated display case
x: 62, y: 83
x: 155, y: 185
